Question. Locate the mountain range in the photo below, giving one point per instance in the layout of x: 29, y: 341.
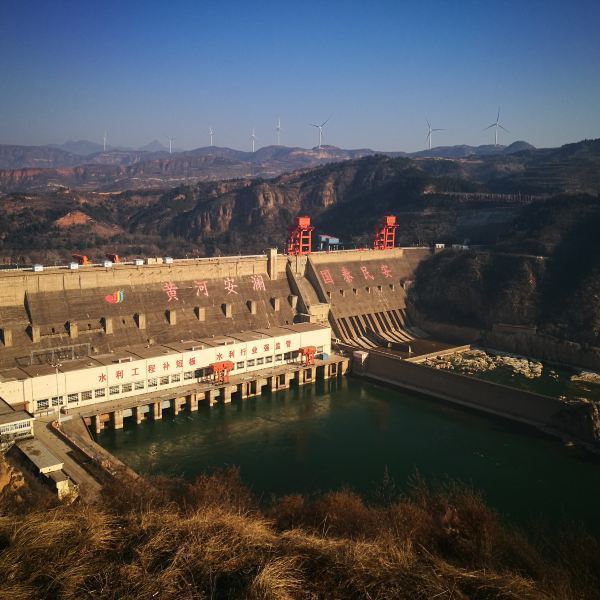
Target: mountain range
x: 36, y: 167
x: 447, y: 200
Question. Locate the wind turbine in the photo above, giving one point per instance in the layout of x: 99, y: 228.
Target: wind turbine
x: 211, y: 132
x: 320, y: 128
x: 253, y: 138
x: 171, y: 140
x: 278, y: 129
x: 429, y: 136
x: 496, y: 125
x: 105, y: 141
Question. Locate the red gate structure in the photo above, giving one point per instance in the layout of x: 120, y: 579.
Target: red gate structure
x: 300, y: 237
x: 220, y: 371
x: 385, y: 234
x: 308, y: 355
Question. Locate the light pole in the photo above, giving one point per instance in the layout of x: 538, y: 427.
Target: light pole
x: 56, y: 366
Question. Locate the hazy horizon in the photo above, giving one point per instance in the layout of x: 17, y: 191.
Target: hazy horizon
x: 142, y: 72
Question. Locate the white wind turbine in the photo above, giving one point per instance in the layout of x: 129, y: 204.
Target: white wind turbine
x: 253, y: 138
x: 211, y: 132
x: 430, y: 131
x: 171, y: 140
x: 496, y: 125
x: 320, y: 128
x: 278, y: 130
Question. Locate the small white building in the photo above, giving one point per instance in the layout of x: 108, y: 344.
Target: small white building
x: 14, y: 424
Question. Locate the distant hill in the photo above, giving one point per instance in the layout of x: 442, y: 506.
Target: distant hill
x: 154, y: 146
x: 79, y: 147
x: 466, y: 151
x: 38, y: 157
x: 514, y: 169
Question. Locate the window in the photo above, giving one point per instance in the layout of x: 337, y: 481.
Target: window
x: 250, y: 363
x: 113, y: 389
x: 73, y: 398
x: 57, y: 400
x: 126, y: 387
x: 164, y: 380
x: 269, y: 359
x: 139, y: 385
x: 100, y: 393
x: 278, y: 357
x: 188, y: 375
x: 175, y: 378
x: 87, y: 395
x: 42, y: 404
x: 240, y: 365
x: 152, y: 382
x: 260, y: 361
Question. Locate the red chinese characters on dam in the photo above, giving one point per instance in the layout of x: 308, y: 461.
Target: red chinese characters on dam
x: 328, y: 276
x: 201, y: 288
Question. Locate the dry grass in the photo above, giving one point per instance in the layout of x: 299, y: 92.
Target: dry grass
x: 210, y: 539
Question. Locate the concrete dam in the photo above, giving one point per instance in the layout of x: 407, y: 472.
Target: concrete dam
x: 108, y: 342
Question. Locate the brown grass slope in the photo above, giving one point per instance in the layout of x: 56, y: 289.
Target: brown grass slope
x: 211, y: 539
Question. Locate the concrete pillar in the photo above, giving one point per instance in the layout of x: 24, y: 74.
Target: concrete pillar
x: 192, y: 401
x: 156, y: 410
x: 116, y: 418
x: 7, y: 338
x: 211, y: 396
x: 175, y: 405
x: 137, y: 414
x: 140, y: 319
x: 299, y: 377
x: 96, y: 424
x: 272, y: 263
x: 35, y: 333
x: 73, y: 329
x: 107, y: 324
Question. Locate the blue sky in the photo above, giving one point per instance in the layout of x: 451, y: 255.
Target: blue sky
x: 146, y: 70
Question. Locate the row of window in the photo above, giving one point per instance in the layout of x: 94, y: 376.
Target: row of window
x: 11, y: 427
x: 153, y: 382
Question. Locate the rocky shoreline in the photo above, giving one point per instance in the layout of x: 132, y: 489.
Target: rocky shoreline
x: 476, y: 361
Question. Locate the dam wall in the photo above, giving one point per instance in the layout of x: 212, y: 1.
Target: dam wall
x: 62, y: 314
x: 577, y: 420
x: 366, y: 291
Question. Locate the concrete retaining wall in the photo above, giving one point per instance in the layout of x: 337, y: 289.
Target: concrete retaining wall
x: 577, y: 420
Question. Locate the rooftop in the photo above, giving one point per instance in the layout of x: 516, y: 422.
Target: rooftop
x: 40, y: 456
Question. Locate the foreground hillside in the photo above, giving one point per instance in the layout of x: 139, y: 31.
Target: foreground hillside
x: 210, y: 539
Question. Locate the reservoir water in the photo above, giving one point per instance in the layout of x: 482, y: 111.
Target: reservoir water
x: 346, y: 432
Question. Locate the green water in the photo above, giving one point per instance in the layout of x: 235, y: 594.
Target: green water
x: 346, y: 432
